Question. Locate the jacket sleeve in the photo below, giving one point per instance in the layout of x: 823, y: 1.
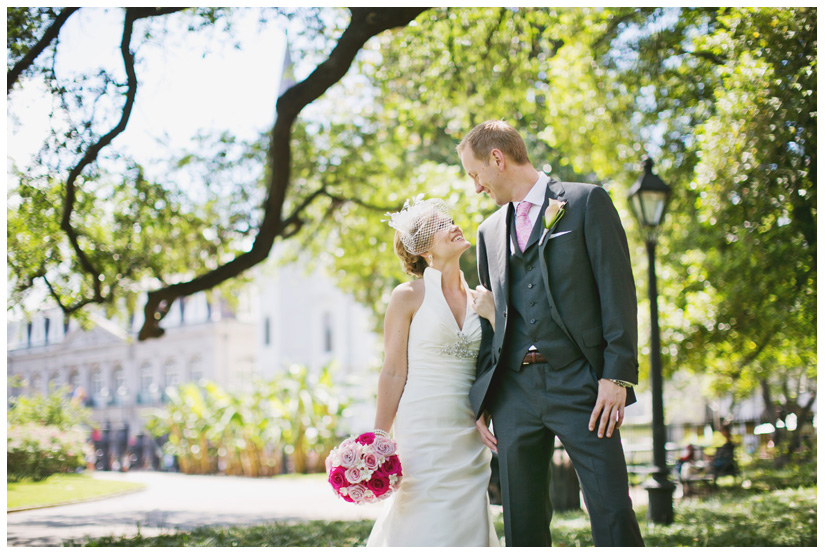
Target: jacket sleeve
x: 610, y: 260
x: 485, y: 353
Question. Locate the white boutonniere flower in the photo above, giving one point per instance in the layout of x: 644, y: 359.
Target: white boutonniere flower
x: 552, y: 215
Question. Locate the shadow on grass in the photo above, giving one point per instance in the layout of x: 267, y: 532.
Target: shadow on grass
x: 734, y: 518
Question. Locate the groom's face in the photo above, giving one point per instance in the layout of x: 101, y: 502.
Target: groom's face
x: 486, y: 176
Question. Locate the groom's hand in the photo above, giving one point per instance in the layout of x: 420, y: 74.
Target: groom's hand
x: 487, y: 437
x: 609, y: 409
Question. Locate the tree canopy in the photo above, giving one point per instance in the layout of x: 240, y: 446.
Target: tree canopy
x: 724, y: 100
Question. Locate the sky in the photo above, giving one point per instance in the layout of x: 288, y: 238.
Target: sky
x: 181, y: 92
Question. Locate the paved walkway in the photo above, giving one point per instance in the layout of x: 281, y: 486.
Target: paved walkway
x: 180, y: 502
x: 177, y: 501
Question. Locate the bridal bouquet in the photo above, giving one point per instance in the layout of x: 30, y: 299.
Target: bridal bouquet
x: 364, y: 469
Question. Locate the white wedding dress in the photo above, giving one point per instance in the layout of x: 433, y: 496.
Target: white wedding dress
x: 442, y: 500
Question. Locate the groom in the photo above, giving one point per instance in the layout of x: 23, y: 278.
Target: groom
x: 560, y: 358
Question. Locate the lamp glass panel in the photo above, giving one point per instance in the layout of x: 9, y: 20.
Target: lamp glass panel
x: 652, y: 205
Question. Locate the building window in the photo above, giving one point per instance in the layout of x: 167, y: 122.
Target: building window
x: 54, y: 380
x: 327, y: 332
x: 46, y: 325
x: 195, y: 370
x: 146, y: 378
x: 119, y: 381
x: 28, y: 334
x: 266, y: 331
x: 170, y: 372
x: 97, y: 382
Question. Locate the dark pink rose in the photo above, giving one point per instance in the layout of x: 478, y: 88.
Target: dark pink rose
x: 391, y: 466
x: 337, y: 478
x: 378, y: 484
x: 366, y: 438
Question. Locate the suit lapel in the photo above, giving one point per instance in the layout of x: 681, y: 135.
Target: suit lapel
x: 538, y: 227
x: 501, y: 249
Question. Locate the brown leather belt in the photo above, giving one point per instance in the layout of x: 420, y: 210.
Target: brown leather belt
x: 533, y: 357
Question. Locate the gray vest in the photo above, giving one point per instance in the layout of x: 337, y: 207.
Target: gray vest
x: 530, y: 322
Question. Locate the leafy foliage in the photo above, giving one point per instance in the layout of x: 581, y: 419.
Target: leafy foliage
x: 723, y: 98
x: 45, y: 435
x: 211, y: 430
x: 55, y: 409
x: 36, y: 452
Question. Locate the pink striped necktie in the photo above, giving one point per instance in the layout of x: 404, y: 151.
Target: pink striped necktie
x: 523, y: 227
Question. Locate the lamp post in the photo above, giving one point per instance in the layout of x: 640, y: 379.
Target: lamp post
x: 648, y: 197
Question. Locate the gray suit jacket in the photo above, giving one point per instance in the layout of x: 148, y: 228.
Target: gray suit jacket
x: 588, y: 280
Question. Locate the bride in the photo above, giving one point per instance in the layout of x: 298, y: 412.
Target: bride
x: 432, y: 337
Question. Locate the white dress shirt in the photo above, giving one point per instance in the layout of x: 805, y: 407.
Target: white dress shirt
x: 536, y: 198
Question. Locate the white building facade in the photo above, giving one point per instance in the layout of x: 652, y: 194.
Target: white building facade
x: 286, y: 316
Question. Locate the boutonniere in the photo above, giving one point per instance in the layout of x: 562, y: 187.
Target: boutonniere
x: 552, y: 215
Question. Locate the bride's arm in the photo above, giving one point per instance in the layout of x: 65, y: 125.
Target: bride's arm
x: 404, y: 301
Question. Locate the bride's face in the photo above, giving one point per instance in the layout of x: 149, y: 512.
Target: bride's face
x: 448, y: 240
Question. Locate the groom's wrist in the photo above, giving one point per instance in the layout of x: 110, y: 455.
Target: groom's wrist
x: 623, y: 383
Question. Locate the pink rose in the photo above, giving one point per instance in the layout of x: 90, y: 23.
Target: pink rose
x: 384, y: 446
x: 337, y: 478
x: 370, y: 461
x: 349, y: 455
x: 356, y: 492
x: 366, y: 438
x: 391, y: 466
x: 378, y: 484
x: 353, y: 475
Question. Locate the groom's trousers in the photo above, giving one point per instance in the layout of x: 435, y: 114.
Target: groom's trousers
x: 530, y: 407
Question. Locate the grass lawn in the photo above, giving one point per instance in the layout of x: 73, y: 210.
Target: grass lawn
x: 62, y: 488
x: 736, y: 518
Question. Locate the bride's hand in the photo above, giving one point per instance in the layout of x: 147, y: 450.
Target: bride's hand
x: 487, y: 436
x: 483, y: 304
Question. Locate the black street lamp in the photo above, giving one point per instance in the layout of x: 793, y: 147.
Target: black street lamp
x: 648, y: 197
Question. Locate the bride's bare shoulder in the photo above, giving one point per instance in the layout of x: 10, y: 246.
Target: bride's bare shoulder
x: 408, y: 296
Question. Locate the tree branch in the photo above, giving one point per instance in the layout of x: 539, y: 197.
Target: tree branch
x: 51, y: 33
x: 132, y: 15
x: 364, y: 24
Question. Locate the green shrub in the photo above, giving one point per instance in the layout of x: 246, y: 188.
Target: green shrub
x: 211, y: 430
x: 44, y: 435
x: 36, y: 452
x: 55, y: 409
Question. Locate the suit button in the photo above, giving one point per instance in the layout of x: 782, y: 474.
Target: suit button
x: 529, y: 286
x: 529, y: 268
x: 532, y: 303
x: 533, y: 321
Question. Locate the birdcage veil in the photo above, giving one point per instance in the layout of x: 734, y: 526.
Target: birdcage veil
x: 418, y: 221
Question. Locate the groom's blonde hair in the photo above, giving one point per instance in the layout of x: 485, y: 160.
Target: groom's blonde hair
x: 495, y: 134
